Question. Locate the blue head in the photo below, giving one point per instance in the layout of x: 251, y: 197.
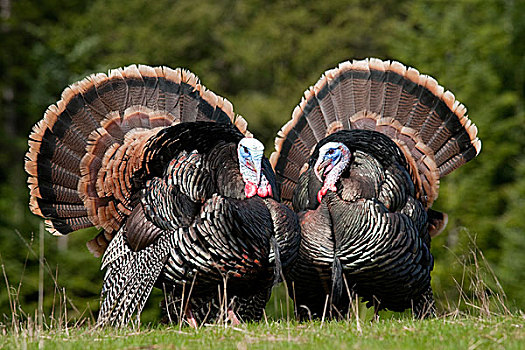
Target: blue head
x: 250, y: 152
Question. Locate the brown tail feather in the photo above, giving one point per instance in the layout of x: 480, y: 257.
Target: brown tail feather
x: 84, y: 152
x: 426, y: 121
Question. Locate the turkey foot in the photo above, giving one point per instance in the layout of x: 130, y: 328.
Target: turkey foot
x: 191, y: 319
x: 233, y: 318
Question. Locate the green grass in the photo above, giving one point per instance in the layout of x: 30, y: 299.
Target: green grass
x: 466, y: 332
x: 477, y: 318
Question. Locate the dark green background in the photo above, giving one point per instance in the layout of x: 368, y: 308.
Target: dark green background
x: 262, y: 55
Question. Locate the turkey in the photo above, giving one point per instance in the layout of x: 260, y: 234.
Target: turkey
x: 360, y: 162
x: 182, y: 193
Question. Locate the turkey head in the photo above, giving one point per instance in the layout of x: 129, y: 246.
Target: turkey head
x: 333, y: 160
x: 250, y: 152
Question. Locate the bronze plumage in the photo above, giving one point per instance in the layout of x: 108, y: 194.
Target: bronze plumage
x: 360, y: 162
x: 151, y: 157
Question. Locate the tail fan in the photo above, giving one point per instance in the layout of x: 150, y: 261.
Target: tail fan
x: 83, y: 153
x: 428, y: 124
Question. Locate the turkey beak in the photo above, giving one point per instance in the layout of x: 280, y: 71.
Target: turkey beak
x: 258, y: 172
x: 250, y: 165
x: 320, y: 171
x: 256, y: 168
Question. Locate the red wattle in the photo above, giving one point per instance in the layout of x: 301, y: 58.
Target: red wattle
x: 265, y: 191
x: 262, y: 191
x: 321, y: 193
x: 250, y: 189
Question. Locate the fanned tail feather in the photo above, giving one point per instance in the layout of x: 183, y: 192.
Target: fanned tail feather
x: 83, y: 153
x: 426, y: 122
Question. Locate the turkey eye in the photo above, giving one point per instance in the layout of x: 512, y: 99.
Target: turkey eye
x: 245, y: 150
x: 331, y: 151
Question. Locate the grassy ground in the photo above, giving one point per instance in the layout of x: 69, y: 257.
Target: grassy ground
x: 478, y: 319
x: 442, y: 333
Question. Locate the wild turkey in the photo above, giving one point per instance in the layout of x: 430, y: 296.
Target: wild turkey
x: 360, y: 161
x: 185, y: 201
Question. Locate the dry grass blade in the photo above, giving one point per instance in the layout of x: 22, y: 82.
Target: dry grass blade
x: 479, y: 291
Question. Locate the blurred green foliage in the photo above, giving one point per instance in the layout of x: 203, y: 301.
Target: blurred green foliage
x: 262, y: 55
